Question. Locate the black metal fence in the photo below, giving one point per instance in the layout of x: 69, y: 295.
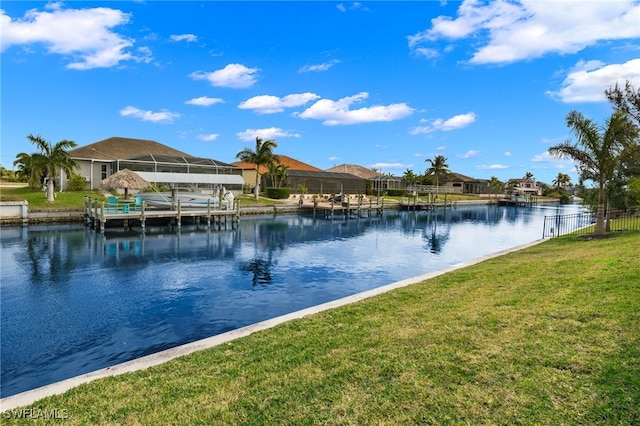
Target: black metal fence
x: 583, y: 223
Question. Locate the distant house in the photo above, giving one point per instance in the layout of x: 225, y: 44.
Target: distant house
x: 154, y: 162
x: 379, y: 182
x: 317, y: 181
x: 354, y: 169
x: 249, y: 169
x: 525, y: 186
x: 461, y: 184
x: 385, y: 182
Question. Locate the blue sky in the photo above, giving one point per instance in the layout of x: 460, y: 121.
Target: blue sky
x: 384, y: 85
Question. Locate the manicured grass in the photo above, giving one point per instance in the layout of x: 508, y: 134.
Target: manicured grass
x: 548, y: 335
x: 250, y: 200
x: 75, y: 200
x: 37, y: 198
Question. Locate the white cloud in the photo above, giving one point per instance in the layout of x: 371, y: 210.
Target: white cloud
x: 235, y: 76
x: 469, y: 154
x: 337, y: 112
x: 518, y: 30
x: 84, y: 35
x: 208, y: 137
x: 507, y: 154
x: 163, y: 116
x: 545, y: 156
x: 491, y: 167
x: 267, y: 104
x: 587, y: 81
x: 354, y: 6
x: 426, y: 52
x: 319, y: 67
x: 189, y: 38
x: 266, y: 134
x: 548, y: 161
x: 204, y: 101
x: 456, y: 122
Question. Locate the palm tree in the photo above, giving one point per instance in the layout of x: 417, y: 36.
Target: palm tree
x: 50, y: 158
x: 277, y: 174
x: 561, y: 180
x: 24, y: 163
x: 596, y: 151
x: 262, y: 156
x: 438, y: 168
x: 496, y: 183
x: 409, y: 177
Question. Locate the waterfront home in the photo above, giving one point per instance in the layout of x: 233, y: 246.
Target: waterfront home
x: 155, y: 162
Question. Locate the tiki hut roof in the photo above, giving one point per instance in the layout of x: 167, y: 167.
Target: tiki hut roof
x: 125, y: 179
x: 117, y: 148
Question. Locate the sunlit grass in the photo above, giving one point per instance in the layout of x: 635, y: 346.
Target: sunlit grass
x: 37, y: 198
x: 548, y: 335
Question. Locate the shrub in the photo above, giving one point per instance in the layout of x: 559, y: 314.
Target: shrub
x: 278, y: 193
x: 77, y: 183
x: 397, y: 192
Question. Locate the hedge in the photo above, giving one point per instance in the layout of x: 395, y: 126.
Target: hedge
x: 278, y: 193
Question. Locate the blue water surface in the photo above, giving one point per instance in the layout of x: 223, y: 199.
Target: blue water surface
x: 74, y: 301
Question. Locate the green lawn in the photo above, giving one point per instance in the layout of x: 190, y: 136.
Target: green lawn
x: 37, y: 198
x: 548, y: 335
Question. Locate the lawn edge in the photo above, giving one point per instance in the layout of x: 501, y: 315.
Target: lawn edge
x: 143, y: 363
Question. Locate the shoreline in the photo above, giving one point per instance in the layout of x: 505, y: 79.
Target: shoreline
x: 29, y: 397
x: 57, y: 216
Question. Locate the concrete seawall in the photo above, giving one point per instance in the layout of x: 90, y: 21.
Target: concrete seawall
x: 17, y: 213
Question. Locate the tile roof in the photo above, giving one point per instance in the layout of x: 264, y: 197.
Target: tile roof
x: 291, y: 163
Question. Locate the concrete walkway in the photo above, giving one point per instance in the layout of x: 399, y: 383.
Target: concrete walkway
x: 29, y: 397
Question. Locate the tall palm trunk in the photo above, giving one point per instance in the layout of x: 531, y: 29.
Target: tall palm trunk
x: 257, y: 187
x: 600, y: 227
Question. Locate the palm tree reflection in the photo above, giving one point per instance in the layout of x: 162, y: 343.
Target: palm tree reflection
x: 268, y: 238
x: 436, y: 235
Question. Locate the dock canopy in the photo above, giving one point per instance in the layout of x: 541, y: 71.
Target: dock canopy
x: 192, y: 178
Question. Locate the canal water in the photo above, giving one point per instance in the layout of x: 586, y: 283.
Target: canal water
x: 74, y: 301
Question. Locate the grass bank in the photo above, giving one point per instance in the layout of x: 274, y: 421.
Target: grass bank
x: 37, y: 198
x: 548, y: 335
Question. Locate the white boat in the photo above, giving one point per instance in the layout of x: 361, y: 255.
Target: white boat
x: 188, y: 200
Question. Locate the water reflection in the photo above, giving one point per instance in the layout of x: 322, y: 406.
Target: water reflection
x: 74, y: 301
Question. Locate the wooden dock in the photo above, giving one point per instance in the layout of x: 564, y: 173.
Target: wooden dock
x: 348, y: 209
x: 98, y: 215
x: 415, y: 205
x: 519, y: 201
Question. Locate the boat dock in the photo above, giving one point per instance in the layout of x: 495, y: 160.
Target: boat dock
x: 98, y: 215
x: 347, y: 209
x: 519, y: 201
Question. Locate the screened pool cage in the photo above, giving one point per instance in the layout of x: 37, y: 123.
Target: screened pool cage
x: 195, y: 173
x: 325, y: 182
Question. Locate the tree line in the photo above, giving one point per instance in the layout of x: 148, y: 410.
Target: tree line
x: 606, y: 154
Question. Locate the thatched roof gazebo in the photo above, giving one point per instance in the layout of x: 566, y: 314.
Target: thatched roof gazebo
x: 125, y: 179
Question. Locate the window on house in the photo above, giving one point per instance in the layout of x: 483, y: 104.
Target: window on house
x: 103, y: 171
